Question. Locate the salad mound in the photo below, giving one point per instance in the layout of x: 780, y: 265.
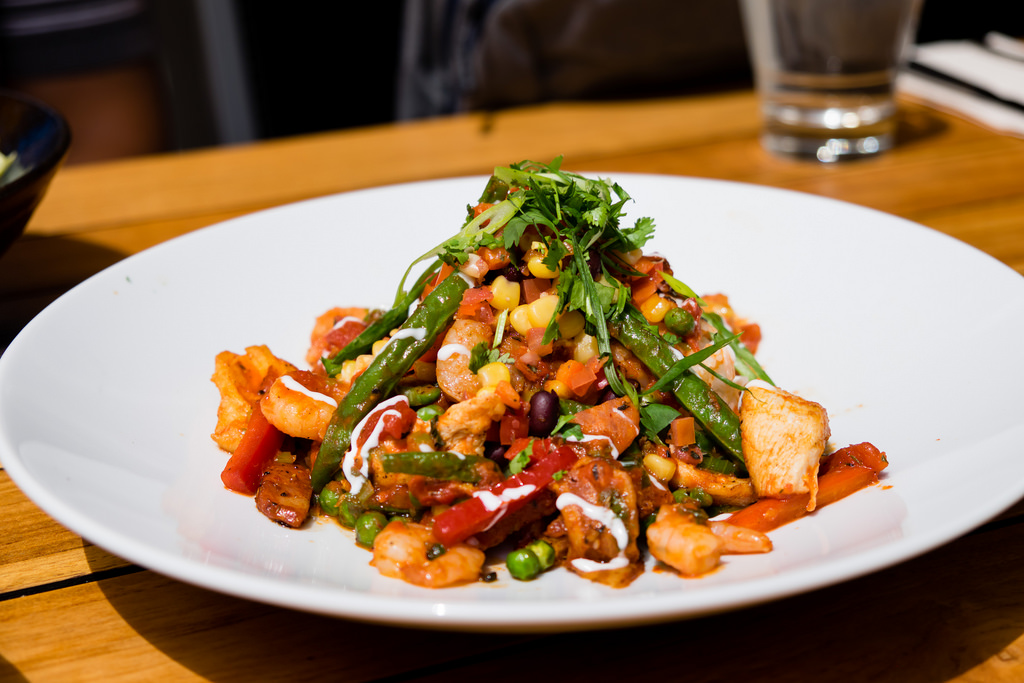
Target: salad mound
x: 544, y: 387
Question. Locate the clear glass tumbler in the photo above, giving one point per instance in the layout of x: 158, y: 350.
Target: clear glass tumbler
x: 825, y: 72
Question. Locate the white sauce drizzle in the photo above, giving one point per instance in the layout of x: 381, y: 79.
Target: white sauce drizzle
x: 585, y: 565
x: 356, y: 479
x: 291, y: 383
x: 492, y: 502
x: 610, y: 520
x: 347, y: 319
x: 412, y: 307
x: 601, y: 515
x: 449, y: 350
x: 596, y: 437
x: 417, y: 333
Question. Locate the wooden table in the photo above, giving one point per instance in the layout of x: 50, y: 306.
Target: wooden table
x: 70, y: 611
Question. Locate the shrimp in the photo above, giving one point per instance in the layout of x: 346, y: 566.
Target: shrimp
x: 681, y: 541
x: 240, y: 379
x: 723, y: 362
x: 597, y: 499
x: 301, y: 404
x: 400, y: 552
x: 333, y: 330
x: 463, y: 427
x: 454, y: 377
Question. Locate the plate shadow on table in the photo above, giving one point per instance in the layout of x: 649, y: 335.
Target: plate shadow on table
x: 939, y: 616
x: 37, y: 270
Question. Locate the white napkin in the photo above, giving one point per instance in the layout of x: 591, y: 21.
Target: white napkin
x: 995, y: 69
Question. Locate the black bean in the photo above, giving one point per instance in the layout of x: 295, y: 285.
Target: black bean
x: 608, y: 395
x: 513, y: 273
x: 496, y: 452
x: 543, y: 413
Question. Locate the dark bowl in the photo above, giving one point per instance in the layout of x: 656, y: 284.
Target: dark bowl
x: 41, y: 137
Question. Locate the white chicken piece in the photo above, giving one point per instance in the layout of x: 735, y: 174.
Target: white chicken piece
x: 784, y: 437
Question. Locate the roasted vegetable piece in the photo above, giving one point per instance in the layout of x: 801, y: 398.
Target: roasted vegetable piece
x: 475, y: 514
x: 379, y: 379
x: 259, y: 445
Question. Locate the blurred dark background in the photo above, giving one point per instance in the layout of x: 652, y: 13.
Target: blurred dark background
x: 139, y: 76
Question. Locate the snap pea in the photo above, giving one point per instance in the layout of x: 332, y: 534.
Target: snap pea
x: 382, y: 375
x: 706, y: 406
x: 380, y: 328
x: 435, y: 464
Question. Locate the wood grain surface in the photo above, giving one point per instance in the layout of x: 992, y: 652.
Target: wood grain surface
x: 69, y: 611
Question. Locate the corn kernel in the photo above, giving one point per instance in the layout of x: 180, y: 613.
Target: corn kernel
x: 655, y: 308
x: 570, y: 324
x: 631, y: 257
x: 535, y: 261
x: 379, y: 345
x: 538, y: 268
x: 560, y: 388
x: 586, y: 348
x: 542, y: 310
x: 660, y: 468
x: 505, y: 293
x: 520, y: 319
x: 493, y: 373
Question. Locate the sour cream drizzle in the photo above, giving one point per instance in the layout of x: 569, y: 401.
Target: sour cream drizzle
x: 347, y: 319
x: 291, y: 383
x: 610, y: 520
x: 492, y: 502
x: 356, y: 478
x: 449, y: 350
x: 596, y: 437
x: 417, y: 333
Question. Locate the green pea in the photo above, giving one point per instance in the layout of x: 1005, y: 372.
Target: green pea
x: 544, y: 552
x: 330, y: 499
x: 348, y: 512
x: 368, y: 526
x: 431, y: 412
x: 422, y: 395
x: 680, y: 321
x: 523, y: 564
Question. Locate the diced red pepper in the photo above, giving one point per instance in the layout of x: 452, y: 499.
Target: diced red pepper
x: 258, y: 447
x: 473, y: 515
x: 514, y: 425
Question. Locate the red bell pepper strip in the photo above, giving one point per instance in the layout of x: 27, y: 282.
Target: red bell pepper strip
x: 846, y: 471
x: 473, y: 515
x: 259, y: 445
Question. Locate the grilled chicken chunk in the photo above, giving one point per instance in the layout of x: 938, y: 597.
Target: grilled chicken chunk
x: 784, y: 437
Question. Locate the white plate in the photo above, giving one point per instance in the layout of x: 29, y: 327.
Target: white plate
x: 106, y: 406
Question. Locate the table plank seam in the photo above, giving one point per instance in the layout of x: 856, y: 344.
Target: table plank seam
x: 76, y: 581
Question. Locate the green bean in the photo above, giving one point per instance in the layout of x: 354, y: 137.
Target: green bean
x: 380, y: 328
x: 387, y: 368
x: 431, y: 412
x: 435, y: 464
x: 706, y: 406
x: 422, y: 395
